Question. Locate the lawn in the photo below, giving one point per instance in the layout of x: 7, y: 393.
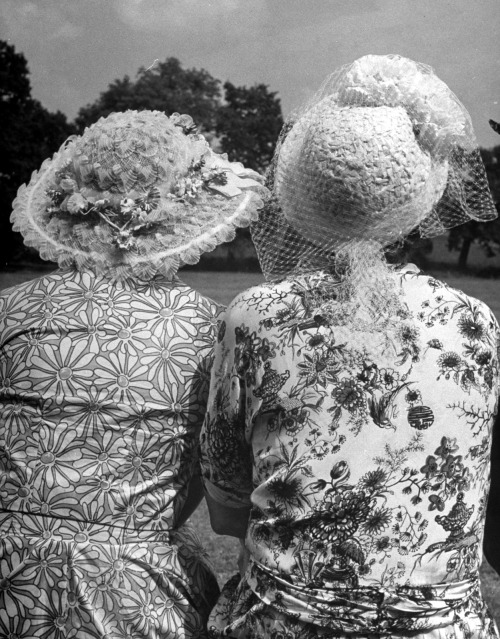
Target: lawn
x: 223, y: 287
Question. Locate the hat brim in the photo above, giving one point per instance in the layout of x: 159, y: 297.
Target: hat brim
x: 205, y: 223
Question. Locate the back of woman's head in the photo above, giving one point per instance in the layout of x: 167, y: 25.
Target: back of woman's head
x: 383, y: 149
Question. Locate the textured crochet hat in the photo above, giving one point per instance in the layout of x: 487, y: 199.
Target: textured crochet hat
x: 138, y: 193
x: 359, y: 170
x: 383, y: 148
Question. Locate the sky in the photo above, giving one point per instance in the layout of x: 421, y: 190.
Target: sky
x: 75, y: 48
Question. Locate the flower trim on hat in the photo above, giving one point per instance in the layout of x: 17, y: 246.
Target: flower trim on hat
x: 181, y: 201
x: 128, y: 217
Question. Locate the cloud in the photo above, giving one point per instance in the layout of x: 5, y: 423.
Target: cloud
x: 75, y: 48
x: 189, y: 15
x: 49, y: 20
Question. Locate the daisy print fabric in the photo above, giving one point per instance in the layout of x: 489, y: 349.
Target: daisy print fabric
x: 103, y: 389
x: 364, y: 457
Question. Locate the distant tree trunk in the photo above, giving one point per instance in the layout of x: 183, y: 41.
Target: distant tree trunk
x: 464, y: 253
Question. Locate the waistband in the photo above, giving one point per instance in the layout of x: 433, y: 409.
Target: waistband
x: 364, y: 609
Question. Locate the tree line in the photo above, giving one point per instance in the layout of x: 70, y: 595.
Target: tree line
x: 243, y: 122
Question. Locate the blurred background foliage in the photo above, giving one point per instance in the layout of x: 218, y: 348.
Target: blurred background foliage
x: 28, y: 134
x: 243, y: 122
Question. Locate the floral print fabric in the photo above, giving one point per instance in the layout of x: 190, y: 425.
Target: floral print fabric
x: 364, y: 456
x: 103, y: 392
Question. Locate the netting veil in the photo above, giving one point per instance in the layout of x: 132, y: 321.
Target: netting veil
x: 383, y: 149
x: 137, y: 194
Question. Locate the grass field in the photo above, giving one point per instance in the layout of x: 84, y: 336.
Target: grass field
x: 222, y: 287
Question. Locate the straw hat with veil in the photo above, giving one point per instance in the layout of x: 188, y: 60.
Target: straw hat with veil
x: 383, y: 149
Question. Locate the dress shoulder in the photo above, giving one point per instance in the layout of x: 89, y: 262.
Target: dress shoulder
x: 421, y: 286
x: 28, y: 285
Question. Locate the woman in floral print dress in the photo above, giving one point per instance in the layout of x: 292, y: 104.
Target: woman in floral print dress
x: 104, y: 381
x: 352, y: 403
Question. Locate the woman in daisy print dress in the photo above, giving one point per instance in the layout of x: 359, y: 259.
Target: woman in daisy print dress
x: 352, y: 403
x: 104, y: 368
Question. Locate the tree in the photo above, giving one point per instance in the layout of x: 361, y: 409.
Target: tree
x: 166, y: 87
x: 248, y: 124
x: 29, y: 134
x: 248, y: 120
x: 486, y: 234
x: 15, y: 88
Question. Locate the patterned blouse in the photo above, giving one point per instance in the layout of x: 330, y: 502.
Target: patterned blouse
x: 364, y: 456
x: 103, y: 389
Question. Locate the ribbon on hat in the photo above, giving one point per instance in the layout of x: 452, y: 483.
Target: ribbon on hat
x: 238, y: 178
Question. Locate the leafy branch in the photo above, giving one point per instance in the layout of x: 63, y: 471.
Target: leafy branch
x: 476, y: 418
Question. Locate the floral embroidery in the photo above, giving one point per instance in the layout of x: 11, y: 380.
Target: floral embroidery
x: 102, y: 395
x: 365, y: 460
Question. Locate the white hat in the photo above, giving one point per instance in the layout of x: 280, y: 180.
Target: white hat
x: 383, y: 148
x: 138, y: 193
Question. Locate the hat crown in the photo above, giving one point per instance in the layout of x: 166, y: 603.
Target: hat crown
x: 368, y: 157
x: 138, y: 194
x: 367, y: 175
x: 131, y: 151
x: 383, y: 148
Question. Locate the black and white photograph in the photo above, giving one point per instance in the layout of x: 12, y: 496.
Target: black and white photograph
x: 249, y: 319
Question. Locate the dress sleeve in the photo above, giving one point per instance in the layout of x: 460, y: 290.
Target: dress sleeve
x: 208, y: 318
x: 226, y: 459
x: 491, y: 546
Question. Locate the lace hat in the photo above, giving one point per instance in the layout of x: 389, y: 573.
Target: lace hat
x: 138, y: 193
x: 383, y: 149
